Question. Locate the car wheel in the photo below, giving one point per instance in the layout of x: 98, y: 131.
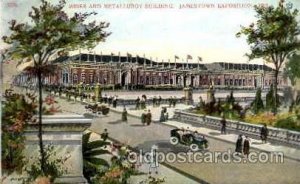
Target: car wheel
x: 194, y: 147
x: 174, y: 140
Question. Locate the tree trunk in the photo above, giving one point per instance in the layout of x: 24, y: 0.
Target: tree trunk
x: 275, y: 91
x: 40, y: 134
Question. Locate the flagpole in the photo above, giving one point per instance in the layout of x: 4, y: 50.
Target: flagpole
x: 79, y: 55
x: 101, y: 57
x: 144, y: 61
x: 119, y: 57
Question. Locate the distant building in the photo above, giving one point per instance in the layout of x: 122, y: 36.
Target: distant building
x: 133, y: 72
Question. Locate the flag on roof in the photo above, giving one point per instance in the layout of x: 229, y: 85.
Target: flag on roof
x: 176, y: 57
x: 199, y: 58
x: 189, y: 57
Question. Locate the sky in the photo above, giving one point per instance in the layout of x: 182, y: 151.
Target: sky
x: 163, y: 33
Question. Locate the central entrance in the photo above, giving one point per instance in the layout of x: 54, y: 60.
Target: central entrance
x: 123, y: 79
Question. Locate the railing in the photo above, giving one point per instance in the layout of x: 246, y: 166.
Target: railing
x: 275, y: 134
x: 120, y: 101
x: 148, y: 101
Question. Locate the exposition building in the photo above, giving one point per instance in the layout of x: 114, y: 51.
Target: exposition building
x: 127, y: 72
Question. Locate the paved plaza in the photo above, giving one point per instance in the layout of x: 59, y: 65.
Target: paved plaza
x: 142, y: 137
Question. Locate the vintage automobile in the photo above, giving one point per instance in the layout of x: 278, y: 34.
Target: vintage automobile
x: 194, y: 140
x: 97, y: 109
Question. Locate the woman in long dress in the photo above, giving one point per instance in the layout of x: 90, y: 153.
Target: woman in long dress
x: 246, y: 146
x: 239, y: 144
x: 124, y: 115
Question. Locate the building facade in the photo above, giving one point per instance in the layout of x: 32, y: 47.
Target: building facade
x: 133, y: 72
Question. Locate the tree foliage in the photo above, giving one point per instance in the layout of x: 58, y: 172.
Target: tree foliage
x: 50, y: 33
x: 270, y: 100
x: 17, y: 112
x: 292, y: 67
x: 273, y: 37
x: 257, y: 105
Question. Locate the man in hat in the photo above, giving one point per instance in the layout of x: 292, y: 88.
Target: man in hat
x: 149, y: 117
x: 264, y: 133
x: 143, y: 117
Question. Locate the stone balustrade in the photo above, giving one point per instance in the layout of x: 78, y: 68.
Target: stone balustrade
x: 275, y: 134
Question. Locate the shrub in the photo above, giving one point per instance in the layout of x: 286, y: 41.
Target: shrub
x: 291, y: 123
x: 18, y: 111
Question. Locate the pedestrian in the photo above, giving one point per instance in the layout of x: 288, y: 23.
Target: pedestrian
x: 124, y: 115
x: 104, y: 135
x: 166, y: 116
x: 239, y: 144
x: 159, y: 101
x: 162, y: 115
x: 115, y: 101
x: 137, y: 103
x: 174, y: 101
x: 143, y: 117
x: 154, y: 101
x: 264, y: 133
x: 153, y: 162
x: 105, y: 98
x: 149, y: 117
x: 246, y: 146
x: 223, y: 125
x: 170, y: 101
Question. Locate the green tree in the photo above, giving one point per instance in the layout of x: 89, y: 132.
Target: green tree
x: 270, y: 100
x: 292, y: 67
x: 257, y: 105
x: 230, y: 99
x: 51, y: 32
x: 273, y: 36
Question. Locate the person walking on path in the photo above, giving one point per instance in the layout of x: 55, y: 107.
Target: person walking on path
x: 264, y: 133
x: 239, y: 144
x: 162, y: 115
x: 104, y: 135
x: 174, y: 101
x: 115, y: 100
x: 159, y: 101
x: 124, y: 115
x: 166, y: 116
x: 143, y: 118
x: 137, y: 103
x: 153, y: 162
x: 223, y: 125
x: 148, y: 118
x: 246, y: 148
x: 170, y: 101
x: 154, y: 101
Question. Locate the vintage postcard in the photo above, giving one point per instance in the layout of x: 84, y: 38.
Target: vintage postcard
x: 149, y: 92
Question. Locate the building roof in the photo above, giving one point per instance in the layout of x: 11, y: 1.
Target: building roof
x: 91, y: 58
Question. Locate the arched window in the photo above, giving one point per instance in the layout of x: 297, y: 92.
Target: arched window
x: 75, y: 78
